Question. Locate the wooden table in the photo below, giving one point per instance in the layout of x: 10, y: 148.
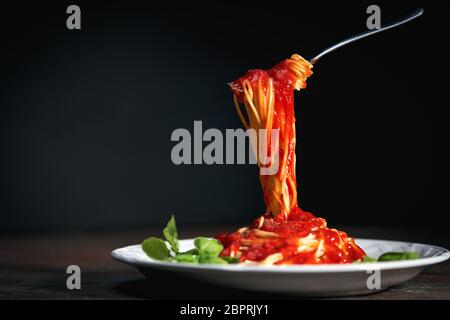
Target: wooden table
x: 33, y: 266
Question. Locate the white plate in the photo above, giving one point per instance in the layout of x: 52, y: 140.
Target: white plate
x: 303, y: 280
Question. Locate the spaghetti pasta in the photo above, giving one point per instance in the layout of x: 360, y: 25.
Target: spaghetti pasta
x: 285, y: 234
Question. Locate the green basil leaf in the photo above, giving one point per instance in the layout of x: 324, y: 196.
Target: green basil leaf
x: 186, y: 258
x: 368, y: 259
x: 231, y: 259
x: 156, y: 248
x: 193, y: 251
x: 171, y: 234
x: 210, y: 247
x: 211, y: 259
x: 395, y: 256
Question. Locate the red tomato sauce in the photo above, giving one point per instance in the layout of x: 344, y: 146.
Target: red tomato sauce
x: 337, y: 247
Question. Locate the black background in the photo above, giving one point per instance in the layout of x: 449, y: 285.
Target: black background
x: 86, y: 116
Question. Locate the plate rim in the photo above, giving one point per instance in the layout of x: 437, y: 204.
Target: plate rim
x: 323, y: 268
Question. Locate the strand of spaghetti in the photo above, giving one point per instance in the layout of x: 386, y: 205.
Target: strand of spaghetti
x: 239, y: 112
x: 286, y: 203
x: 253, y: 125
x: 283, y: 166
x: 261, y: 100
x: 269, y: 121
x: 249, y: 96
x: 293, y: 190
x: 269, y: 118
x: 277, y: 198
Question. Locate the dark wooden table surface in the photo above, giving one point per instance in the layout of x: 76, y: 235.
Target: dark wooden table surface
x: 33, y: 266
